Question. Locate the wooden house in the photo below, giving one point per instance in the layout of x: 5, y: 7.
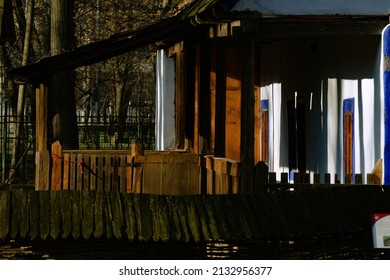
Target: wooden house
x: 247, y: 86
x: 294, y: 85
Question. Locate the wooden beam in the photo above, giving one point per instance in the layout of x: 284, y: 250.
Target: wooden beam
x: 42, y: 156
x: 247, y: 115
x: 179, y: 96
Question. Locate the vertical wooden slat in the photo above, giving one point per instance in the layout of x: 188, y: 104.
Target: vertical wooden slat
x: 4, y: 213
x: 55, y: 214
x: 33, y: 214
x: 93, y: 177
x: 86, y: 172
x: 115, y: 174
x: 137, y: 178
x: 56, y: 169
x: 80, y: 172
x: 100, y: 172
x: 73, y: 171
x: 44, y: 214
x: 42, y: 156
x: 87, y: 213
x: 129, y: 174
x: 24, y: 218
x: 76, y: 214
x: 129, y: 216
x: 122, y: 173
x: 66, y: 213
x: 98, y: 214
x: 117, y: 214
x: 66, y: 181
x: 15, y: 213
x: 210, y: 175
x: 108, y: 172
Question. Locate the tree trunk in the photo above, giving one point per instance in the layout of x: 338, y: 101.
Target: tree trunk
x: 19, y: 125
x: 62, y: 103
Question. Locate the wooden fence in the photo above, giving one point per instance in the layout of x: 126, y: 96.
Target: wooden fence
x: 277, y: 214
x: 152, y: 172
x: 168, y: 173
x: 222, y: 175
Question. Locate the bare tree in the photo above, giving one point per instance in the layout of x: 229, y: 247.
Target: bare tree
x: 21, y: 93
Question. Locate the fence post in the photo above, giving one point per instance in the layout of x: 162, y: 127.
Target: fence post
x: 348, y: 178
x: 272, y: 177
x: 137, y: 149
x: 297, y: 178
x: 56, y: 169
x: 316, y: 179
x: 358, y: 179
x: 284, y: 178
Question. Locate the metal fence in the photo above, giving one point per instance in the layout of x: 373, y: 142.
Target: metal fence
x: 26, y: 164
x: 96, y: 132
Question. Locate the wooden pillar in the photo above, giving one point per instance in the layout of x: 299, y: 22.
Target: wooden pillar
x: 179, y: 96
x: 247, y: 115
x: 42, y: 156
x: 220, y: 100
x: 204, y: 99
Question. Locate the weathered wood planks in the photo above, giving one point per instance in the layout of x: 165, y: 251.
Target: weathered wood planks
x: 155, y: 172
x: 85, y: 214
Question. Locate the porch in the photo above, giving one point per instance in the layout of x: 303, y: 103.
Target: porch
x: 174, y: 172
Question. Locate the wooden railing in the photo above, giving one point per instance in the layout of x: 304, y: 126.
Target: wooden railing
x: 153, y: 172
x: 223, y: 175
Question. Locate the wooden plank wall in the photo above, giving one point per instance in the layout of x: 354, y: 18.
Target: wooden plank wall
x: 223, y: 175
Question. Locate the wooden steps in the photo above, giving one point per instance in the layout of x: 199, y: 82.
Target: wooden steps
x: 28, y: 214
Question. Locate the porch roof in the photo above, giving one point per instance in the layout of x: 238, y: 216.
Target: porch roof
x: 169, y: 30
x: 196, y: 19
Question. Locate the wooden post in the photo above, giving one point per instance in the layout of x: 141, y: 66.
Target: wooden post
x: 358, y: 179
x: 317, y: 179
x: 42, y: 157
x: 348, y: 178
x: 220, y: 100
x: 272, y: 178
x: 370, y: 179
x: 297, y: 178
x: 137, y: 149
x: 284, y: 178
x: 327, y: 178
x: 179, y: 98
x: 306, y: 178
x: 204, y: 99
x: 210, y: 175
x: 56, y: 169
x: 247, y: 114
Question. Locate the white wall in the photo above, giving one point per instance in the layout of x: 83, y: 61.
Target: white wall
x: 327, y: 71
x: 165, y: 102
x: 315, y: 7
